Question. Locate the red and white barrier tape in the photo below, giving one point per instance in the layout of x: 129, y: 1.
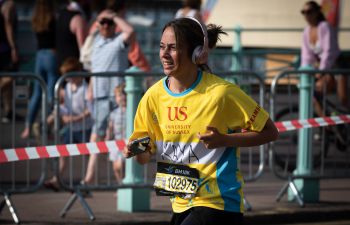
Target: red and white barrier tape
x: 18, y: 154
x: 313, y: 122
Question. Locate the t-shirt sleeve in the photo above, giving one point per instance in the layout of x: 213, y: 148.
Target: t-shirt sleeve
x: 329, y: 48
x: 120, y: 42
x: 242, y: 112
x: 143, y: 123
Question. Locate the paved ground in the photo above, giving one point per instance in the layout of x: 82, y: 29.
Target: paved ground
x: 43, y: 207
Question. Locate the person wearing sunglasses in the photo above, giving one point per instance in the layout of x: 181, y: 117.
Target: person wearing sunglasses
x: 319, y: 49
x: 135, y: 55
x: 109, y: 54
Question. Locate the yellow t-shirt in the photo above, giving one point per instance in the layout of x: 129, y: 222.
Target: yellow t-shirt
x: 172, y: 121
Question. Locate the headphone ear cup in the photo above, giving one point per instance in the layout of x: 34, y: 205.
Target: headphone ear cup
x: 199, y: 56
x: 196, y: 53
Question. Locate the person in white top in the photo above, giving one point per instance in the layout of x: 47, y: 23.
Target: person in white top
x: 116, y: 131
x: 191, y: 8
x: 75, y: 113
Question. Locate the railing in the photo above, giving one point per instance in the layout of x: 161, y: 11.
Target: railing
x: 20, y: 177
x: 307, y: 154
x: 103, y: 177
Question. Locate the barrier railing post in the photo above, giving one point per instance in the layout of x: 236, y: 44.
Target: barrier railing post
x: 129, y: 199
x: 308, y: 188
x: 237, y: 50
x: 237, y: 61
x: 237, y: 54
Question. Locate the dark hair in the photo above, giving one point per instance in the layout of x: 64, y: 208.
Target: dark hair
x: 120, y: 89
x: 314, y: 6
x: 43, y: 15
x: 189, y: 35
x: 71, y: 64
x: 194, y: 4
x: 116, y: 5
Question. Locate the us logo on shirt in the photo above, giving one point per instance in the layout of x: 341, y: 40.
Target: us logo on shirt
x: 177, y: 113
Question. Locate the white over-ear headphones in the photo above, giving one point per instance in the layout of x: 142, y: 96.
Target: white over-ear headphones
x: 200, y: 53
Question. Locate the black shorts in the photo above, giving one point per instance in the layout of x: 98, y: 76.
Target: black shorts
x: 5, y: 61
x: 206, y: 216
x: 343, y: 61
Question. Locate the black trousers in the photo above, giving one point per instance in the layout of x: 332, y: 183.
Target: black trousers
x: 206, y: 216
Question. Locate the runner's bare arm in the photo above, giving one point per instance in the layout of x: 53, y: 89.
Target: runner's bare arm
x: 214, y: 139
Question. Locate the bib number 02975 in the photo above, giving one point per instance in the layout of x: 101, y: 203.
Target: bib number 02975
x: 172, y: 179
x: 182, y: 184
x: 176, y: 184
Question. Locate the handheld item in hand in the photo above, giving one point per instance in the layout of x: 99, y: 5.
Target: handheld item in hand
x: 139, y: 145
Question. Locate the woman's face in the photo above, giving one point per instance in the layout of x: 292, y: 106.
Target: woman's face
x: 174, y: 61
x: 168, y: 53
x: 309, y: 14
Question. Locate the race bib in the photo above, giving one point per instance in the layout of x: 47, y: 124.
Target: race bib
x: 176, y: 180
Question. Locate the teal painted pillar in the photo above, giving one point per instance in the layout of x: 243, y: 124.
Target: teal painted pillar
x: 237, y: 54
x: 129, y: 199
x: 237, y: 61
x: 237, y: 50
x: 308, y: 188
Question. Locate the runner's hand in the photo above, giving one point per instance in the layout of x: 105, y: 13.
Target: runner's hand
x: 212, y: 138
x: 127, y: 153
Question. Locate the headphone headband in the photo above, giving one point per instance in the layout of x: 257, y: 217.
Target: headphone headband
x: 205, y: 33
x: 200, y: 53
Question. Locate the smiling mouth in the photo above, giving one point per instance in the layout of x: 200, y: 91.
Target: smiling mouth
x: 167, y: 63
